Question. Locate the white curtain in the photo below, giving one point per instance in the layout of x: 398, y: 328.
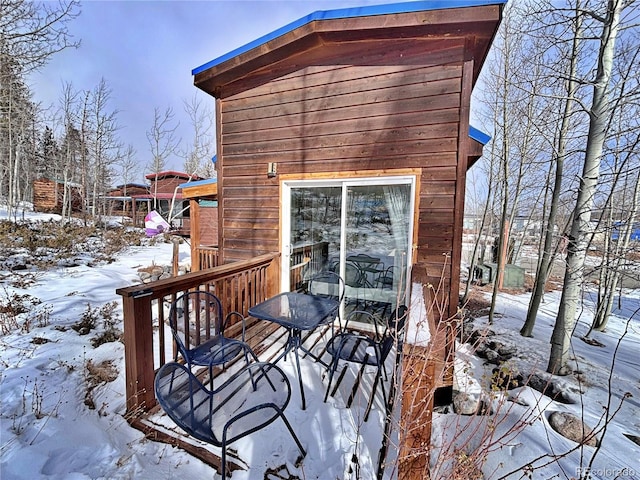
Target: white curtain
x: 397, y: 198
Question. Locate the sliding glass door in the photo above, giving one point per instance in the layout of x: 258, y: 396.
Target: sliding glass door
x: 358, y: 228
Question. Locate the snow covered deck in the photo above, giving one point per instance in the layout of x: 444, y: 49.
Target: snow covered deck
x: 335, y: 425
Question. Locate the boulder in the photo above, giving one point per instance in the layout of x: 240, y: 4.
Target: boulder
x: 571, y: 427
x: 466, y: 403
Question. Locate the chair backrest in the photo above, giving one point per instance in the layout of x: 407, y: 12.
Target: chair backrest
x: 195, y: 317
x: 385, y: 278
x: 353, y: 275
x: 250, y: 399
x: 185, y: 400
x: 326, y: 284
x: 392, y: 331
x: 366, y: 317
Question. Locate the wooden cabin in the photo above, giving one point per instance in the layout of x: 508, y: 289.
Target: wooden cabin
x: 203, y: 207
x: 48, y: 195
x: 128, y: 200
x: 343, y: 141
x: 365, y: 109
x: 166, y: 197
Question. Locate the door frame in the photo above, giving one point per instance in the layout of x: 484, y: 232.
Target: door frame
x: 384, y: 178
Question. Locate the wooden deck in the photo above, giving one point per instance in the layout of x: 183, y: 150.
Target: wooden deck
x: 353, y: 386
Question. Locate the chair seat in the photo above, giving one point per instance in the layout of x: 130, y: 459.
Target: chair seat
x: 216, y: 351
x: 354, y: 348
x: 249, y: 400
x: 358, y: 348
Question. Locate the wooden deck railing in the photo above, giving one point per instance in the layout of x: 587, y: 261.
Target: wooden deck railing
x: 207, y: 257
x: 147, y: 338
x: 307, y: 259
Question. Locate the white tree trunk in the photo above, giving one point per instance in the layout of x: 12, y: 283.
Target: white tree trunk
x: 578, y: 238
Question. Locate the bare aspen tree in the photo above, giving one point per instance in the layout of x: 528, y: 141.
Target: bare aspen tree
x: 86, y: 133
x: 71, y: 145
x: 580, y: 228
x: 547, y: 251
x: 30, y: 33
x: 622, y: 207
x: 128, y: 168
x: 202, y: 147
x: 162, y: 141
x: 480, y: 238
x: 515, y: 134
x: 105, y: 144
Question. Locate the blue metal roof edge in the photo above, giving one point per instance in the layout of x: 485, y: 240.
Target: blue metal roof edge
x: 405, y: 7
x: 479, y: 136
x: 197, y: 183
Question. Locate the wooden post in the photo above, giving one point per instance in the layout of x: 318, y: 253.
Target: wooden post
x: 418, y: 385
x: 138, y: 353
x: 176, y: 255
x: 194, y: 235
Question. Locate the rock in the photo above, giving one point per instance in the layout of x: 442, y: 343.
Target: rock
x: 507, y: 351
x: 554, y: 388
x: 492, y: 356
x: 144, y: 276
x: 466, y: 403
x: 571, y: 427
x: 157, y: 271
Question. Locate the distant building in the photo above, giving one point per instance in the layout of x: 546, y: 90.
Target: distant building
x: 165, y: 197
x: 202, y: 196
x: 128, y: 200
x: 48, y: 195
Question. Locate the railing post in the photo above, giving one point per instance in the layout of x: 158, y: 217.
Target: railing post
x: 138, y: 353
x: 418, y: 383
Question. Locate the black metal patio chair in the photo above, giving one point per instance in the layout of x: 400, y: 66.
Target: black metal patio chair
x: 246, y: 402
x: 330, y: 285
x: 198, y: 327
x: 366, y: 350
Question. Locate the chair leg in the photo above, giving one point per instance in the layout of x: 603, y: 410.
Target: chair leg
x: 332, y: 368
x: 376, y: 380
x: 295, y: 437
x: 224, y: 461
x: 211, y: 376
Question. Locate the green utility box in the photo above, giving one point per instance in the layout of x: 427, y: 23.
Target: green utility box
x: 513, y: 277
x: 485, y: 274
x: 488, y: 273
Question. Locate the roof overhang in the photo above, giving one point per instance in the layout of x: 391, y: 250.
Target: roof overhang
x: 478, y: 140
x: 315, y: 39
x: 200, y: 188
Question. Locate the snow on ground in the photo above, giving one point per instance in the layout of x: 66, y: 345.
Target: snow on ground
x: 517, y: 438
x: 61, y: 414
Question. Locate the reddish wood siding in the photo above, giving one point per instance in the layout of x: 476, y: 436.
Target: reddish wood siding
x: 166, y: 184
x: 208, y: 225
x: 336, y: 119
x: 128, y: 191
x: 48, y: 196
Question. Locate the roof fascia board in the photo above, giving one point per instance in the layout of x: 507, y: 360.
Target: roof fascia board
x: 197, y: 183
x: 406, y: 7
x: 478, y: 135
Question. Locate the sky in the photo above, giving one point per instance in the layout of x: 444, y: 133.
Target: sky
x: 146, y: 50
x: 48, y: 431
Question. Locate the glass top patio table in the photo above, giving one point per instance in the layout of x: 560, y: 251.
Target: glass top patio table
x: 296, y: 312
